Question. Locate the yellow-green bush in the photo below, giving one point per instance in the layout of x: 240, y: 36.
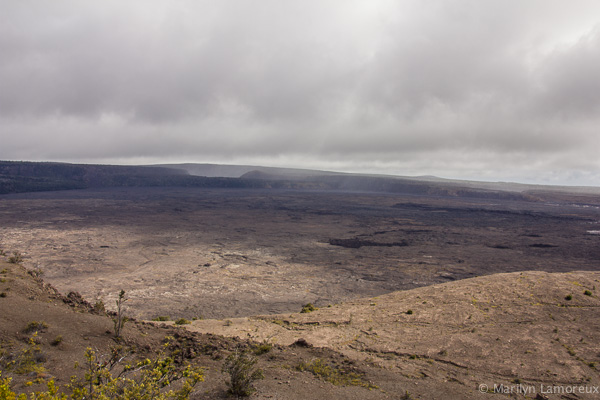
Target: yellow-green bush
x: 334, y: 375
x: 145, y: 380
x: 25, y: 360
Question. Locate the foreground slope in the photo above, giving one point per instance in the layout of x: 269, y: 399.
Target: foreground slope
x: 26, y: 299
x: 533, y: 328
x: 530, y: 331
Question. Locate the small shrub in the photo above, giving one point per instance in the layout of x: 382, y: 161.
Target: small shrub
x: 3, y: 294
x: 242, y: 373
x: 120, y: 319
x: 36, y: 272
x: 25, y: 360
x: 182, y: 321
x: 16, y: 258
x: 409, y: 312
x: 57, y: 340
x: 145, y: 380
x: 587, y: 293
x: 99, y: 307
x: 333, y: 375
x: 262, y: 348
x: 161, y: 318
x: 569, y: 297
x: 35, y: 326
x: 308, y: 307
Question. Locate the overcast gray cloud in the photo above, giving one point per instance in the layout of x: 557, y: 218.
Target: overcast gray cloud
x: 500, y: 90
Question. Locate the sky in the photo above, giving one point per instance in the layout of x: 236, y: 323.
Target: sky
x: 496, y: 90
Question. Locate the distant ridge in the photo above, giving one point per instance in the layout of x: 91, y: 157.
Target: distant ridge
x: 237, y: 171
x: 24, y: 176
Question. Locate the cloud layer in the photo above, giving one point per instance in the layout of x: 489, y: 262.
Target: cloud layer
x: 459, y: 88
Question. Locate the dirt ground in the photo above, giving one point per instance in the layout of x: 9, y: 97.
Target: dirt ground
x: 28, y: 300
x: 517, y: 335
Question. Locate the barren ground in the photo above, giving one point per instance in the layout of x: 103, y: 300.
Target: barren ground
x: 232, y: 253
x: 503, y: 329
x: 516, y: 331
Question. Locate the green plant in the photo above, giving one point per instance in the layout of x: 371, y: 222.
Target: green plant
x: 242, y: 373
x: 57, y: 340
x: 3, y: 294
x: 308, y: 307
x: 409, y: 312
x: 587, y: 293
x: 161, y: 318
x: 569, y: 297
x: 182, y: 321
x: 25, y: 360
x: 35, y: 326
x: 99, y: 307
x: 51, y: 394
x: 119, y: 319
x: 333, y: 375
x: 262, y: 348
x: 144, y: 380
